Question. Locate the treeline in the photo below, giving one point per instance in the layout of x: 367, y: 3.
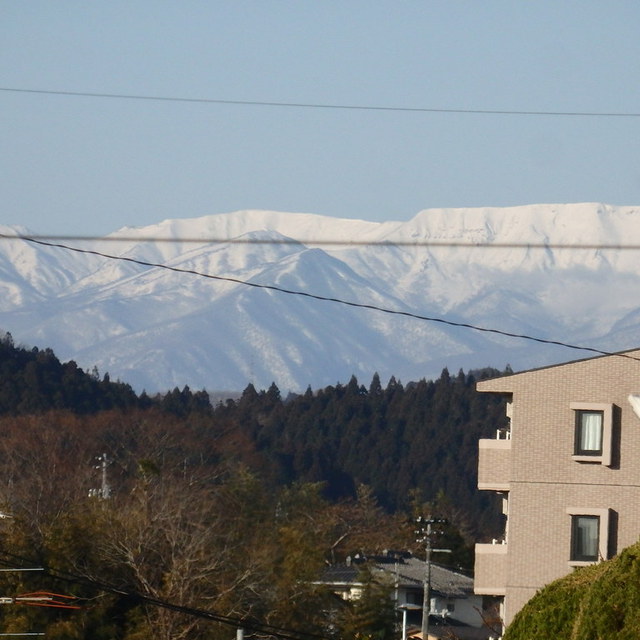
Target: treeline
x: 34, y: 380
x: 186, y: 526
x: 404, y: 441
x: 233, y: 508
x: 398, y: 439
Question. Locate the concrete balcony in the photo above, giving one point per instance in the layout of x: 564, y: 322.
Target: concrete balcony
x: 494, y: 464
x: 490, y: 570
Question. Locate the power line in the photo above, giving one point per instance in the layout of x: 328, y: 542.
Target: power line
x: 358, y: 305
x: 438, y: 244
x: 315, y: 105
x: 259, y: 627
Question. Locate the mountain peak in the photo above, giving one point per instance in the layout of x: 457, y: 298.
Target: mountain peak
x: 157, y: 328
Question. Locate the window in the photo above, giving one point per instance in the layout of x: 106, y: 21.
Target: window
x: 589, y: 535
x: 584, y: 538
x: 593, y: 432
x: 589, y: 433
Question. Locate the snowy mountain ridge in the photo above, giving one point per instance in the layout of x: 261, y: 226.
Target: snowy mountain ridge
x: 157, y: 328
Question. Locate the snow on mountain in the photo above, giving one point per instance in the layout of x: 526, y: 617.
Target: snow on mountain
x: 157, y: 328
x: 30, y: 273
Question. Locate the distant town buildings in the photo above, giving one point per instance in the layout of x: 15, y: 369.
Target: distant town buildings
x: 453, y: 606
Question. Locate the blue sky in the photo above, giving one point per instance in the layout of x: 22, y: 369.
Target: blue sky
x: 87, y: 165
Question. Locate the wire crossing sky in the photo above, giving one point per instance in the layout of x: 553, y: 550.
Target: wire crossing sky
x: 296, y: 105
x: 313, y: 296
x: 392, y: 108
x: 333, y: 241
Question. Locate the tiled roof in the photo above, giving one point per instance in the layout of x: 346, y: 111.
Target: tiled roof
x: 408, y: 571
x: 411, y: 571
x: 340, y: 574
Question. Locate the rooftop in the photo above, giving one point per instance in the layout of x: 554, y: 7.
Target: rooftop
x: 406, y: 571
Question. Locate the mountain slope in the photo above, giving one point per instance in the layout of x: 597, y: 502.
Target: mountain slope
x: 157, y: 328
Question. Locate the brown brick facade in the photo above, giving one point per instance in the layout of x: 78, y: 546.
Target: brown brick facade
x: 546, y: 482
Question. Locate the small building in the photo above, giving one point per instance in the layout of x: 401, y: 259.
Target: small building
x: 454, y: 607
x: 568, y: 471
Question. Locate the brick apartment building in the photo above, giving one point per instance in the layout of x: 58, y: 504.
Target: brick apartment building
x: 568, y: 469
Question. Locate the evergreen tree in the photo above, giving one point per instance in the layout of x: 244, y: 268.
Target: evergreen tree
x: 372, y: 616
x: 375, y: 388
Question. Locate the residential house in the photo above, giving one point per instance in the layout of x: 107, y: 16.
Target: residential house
x: 453, y: 604
x: 568, y: 470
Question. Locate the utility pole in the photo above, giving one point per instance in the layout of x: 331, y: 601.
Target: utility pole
x: 104, y: 491
x: 425, y: 533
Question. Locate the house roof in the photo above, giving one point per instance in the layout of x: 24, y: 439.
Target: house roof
x: 406, y: 571
x: 503, y: 384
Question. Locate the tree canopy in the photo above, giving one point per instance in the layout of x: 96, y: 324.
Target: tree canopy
x: 600, y: 602
x: 233, y: 508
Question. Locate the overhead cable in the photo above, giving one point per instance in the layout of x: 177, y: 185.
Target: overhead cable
x: 314, y: 296
x: 323, y: 242
x: 258, y: 627
x: 315, y: 105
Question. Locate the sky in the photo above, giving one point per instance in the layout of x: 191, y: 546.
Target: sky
x: 86, y: 165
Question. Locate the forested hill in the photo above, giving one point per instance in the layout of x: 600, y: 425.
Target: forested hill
x: 34, y: 380
x: 408, y: 443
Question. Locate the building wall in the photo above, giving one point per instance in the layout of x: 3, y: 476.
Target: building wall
x: 545, y: 481
x: 463, y: 609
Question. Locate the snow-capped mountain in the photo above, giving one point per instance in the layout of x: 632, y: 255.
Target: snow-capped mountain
x: 158, y: 328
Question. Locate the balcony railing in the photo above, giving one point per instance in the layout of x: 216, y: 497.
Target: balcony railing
x: 490, y: 569
x: 494, y: 464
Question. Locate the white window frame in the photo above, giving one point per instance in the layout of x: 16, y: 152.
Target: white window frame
x: 603, y: 533
x: 604, y: 457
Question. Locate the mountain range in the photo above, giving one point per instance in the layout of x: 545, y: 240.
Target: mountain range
x: 234, y: 302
